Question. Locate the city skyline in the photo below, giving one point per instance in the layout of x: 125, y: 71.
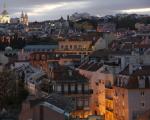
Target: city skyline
x: 52, y: 9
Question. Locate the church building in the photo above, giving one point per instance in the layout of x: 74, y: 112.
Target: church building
x: 4, y: 16
x: 24, y: 19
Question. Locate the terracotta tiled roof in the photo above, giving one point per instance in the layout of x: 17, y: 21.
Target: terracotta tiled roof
x: 142, y: 46
x: 90, y: 66
x: 66, y: 74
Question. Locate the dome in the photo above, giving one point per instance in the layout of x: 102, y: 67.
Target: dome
x: 4, y: 12
x: 3, y: 59
x: 8, y: 49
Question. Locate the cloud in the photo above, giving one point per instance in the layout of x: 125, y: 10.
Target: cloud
x: 53, y: 9
x: 40, y: 10
x: 138, y: 10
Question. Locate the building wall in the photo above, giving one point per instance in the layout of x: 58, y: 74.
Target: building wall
x: 97, y: 83
x: 120, y: 100
x: 80, y: 93
x: 109, y: 106
x: 128, y: 104
x: 4, y: 19
x: 142, y: 103
x: 74, y: 45
x: 39, y: 113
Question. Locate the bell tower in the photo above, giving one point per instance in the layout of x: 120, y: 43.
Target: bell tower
x: 24, y: 18
x: 4, y: 16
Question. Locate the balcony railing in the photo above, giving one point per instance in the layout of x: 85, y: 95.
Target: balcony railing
x: 109, y: 109
x: 109, y: 97
x: 86, y: 92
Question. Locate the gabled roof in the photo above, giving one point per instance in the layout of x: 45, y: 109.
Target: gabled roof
x: 106, y: 52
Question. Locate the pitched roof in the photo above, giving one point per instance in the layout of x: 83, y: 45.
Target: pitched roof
x: 66, y: 74
x: 59, y: 101
x: 133, y: 82
x: 106, y: 52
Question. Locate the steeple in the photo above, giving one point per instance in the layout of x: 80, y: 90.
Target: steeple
x: 24, y: 18
x: 4, y: 5
x: 22, y: 15
x: 26, y: 15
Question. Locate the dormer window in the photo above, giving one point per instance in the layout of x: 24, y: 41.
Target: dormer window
x: 141, y: 82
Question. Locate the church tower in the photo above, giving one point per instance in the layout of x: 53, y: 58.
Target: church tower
x: 4, y: 16
x: 24, y: 18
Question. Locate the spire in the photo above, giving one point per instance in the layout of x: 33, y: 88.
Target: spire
x: 4, y: 6
x: 26, y: 15
x: 22, y: 14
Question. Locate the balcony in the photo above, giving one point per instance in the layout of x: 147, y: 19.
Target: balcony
x: 109, y: 109
x: 85, y: 92
x: 109, y: 97
x: 79, y: 108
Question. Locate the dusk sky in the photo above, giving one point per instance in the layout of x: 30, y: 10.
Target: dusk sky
x: 53, y: 9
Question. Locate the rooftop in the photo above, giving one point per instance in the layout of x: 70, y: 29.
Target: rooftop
x: 52, y: 101
x: 140, y: 73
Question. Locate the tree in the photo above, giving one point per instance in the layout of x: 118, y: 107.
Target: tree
x: 12, y: 90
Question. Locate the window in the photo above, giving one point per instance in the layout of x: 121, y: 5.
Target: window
x: 66, y: 47
x: 79, y: 46
x: 141, y: 83
x: 123, y: 95
x: 79, y: 88
x: 70, y: 46
x: 142, y: 93
x: 86, y: 103
x: 96, y: 83
x: 43, y: 57
x: 37, y: 57
x: 72, y: 88
x: 66, y: 88
x: 86, y: 87
x: 80, y: 103
x: 62, y: 47
x: 59, y: 88
x: 100, y: 81
x: 75, y: 46
x: 142, y: 104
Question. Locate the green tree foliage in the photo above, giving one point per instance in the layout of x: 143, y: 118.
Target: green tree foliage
x: 12, y: 91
